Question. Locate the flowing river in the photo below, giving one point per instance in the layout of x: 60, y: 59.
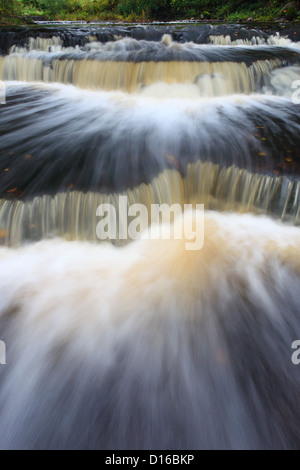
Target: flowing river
x: 113, y: 342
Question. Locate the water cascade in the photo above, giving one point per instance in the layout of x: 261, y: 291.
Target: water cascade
x: 121, y: 342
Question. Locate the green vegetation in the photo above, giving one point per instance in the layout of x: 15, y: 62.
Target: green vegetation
x: 14, y: 11
x: 10, y: 10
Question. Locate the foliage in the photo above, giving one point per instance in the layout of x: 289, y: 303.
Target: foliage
x: 141, y: 10
x: 140, y: 7
x: 10, y: 9
x: 291, y: 14
x: 52, y: 7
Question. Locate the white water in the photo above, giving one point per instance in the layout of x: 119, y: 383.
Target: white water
x: 148, y: 346
x: 161, y: 121
x: 55, y: 44
x: 113, y: 348
x: 130, y: 65
x: 273, y: 40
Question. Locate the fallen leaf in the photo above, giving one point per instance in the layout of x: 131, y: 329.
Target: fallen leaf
x: 221, y: 356
x: 172, y: 160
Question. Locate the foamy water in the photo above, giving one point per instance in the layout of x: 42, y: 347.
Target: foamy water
x: 149, y: 345
x: 152, y: 346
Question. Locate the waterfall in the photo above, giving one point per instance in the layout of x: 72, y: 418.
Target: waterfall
x: 129, y: 64
x: 114, y: 340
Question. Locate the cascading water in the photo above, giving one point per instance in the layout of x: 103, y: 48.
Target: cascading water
x: 144, y: 344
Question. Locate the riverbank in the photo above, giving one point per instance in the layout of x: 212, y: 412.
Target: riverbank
x: 18, y: 12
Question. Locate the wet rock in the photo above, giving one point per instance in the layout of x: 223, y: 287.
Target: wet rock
x: 289, y: 11
x: 289, y: 5
x: 198, y: 34
x: 294, y: 32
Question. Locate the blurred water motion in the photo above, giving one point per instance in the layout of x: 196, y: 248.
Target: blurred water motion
x: 148, y: 345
